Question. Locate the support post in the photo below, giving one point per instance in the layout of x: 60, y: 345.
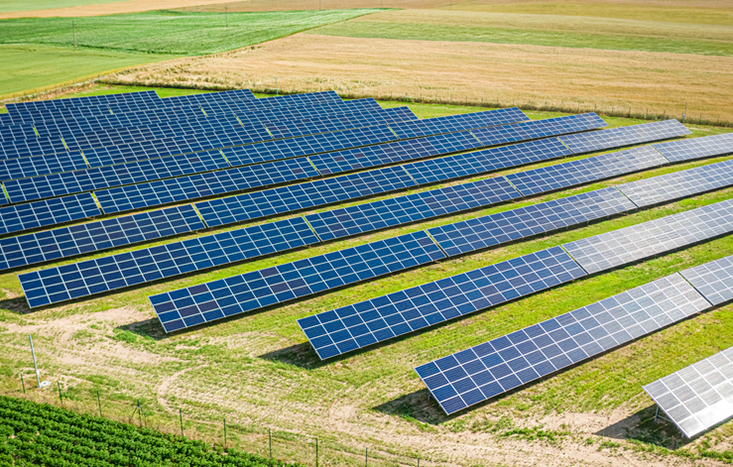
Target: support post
x: 99, y: 403
x: 225, y: 432
x: 73, y: 28
x: 226, y: 14
x: 684, y: 114
x: 269, y: 435
x: 277, y: 87
x: 366, y: 457
x: 22, y: 382
x: 316, y: 452
x: 180, y: 419
x: 35, y: 365
x: 58, y: 384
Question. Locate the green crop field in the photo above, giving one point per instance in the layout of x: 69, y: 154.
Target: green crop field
x: 259, y: 372
x: 29, y: 5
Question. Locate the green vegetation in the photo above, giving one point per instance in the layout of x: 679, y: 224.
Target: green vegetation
x: 168, y: 32
x: 35, y: 434
x: 25, y: 5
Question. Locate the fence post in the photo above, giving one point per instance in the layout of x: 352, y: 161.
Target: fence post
x: 58, y: 384
x: 22, y: 382
x: 316, y: 452
x: 99, y: 404
x: 366, y: 457
x: 180, y: 418
x: 225, y: 432
x: 269, y: 433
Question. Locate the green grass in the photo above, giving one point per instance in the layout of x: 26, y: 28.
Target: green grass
x: 168, y: 32
x: 435, y: 32
x: 25, y: 5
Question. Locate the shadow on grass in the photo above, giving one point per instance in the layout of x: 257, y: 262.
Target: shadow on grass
x: 642, y: 428
x: 417, y: 406
x: 300, y: 355
x: 149, y: 328
x: 17, y: 305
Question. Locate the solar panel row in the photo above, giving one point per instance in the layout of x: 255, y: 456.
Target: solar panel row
x: 452, y: 123
x: 48, y: 212
x: 617, y: 137
x: 41, y: 165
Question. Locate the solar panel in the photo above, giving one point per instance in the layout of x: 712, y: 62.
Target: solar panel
x: 624, y: 246
x: 495, y: 367
x: 331, y: 123
x: 65, y: 242
x: 348, y: 328
x: 368, y: 217
x: 20, y: 217
x: 714, y: 280
x: 30, y: 147
x: 698, y: 397
x: 581, y: 171
x: 538, y: 129
x: 48, y: 186
x: 251, y: 291
x: 451, y: 123
x: 696, y: 148
x: 305, y: 145
x: 625, y: 136
x: 202, y: 185
x: 487, y: 231
x: 679, y: 184
x: 474, y: 163
x: 86, y: 278
x: 40, y: 165
x: 290, y: 198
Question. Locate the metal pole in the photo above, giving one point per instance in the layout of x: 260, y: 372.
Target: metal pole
x: 277, y: 87
x: 73, y: 28
x: 139, y: 413
x: 180, y: 418
x: 60, y: 397
x: 22, y: 382
x: 35, y: 365
x: 316, y: 452
x: 226, y: 14
x: 225, y: 432
x: 366, y: 457
x: 99, y: 404
x: 269, y: 432
x: 418, y: 462
x: 684, y: 114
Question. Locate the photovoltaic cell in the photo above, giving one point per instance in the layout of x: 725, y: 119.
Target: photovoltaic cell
x: 630, y: 244
x: 451, y: 123
x: 581, y: 171
x: 697, y: 397
x: 196, y: 186
x: 247, y: 292
x: 679, y: 184
x: 487, y: 370
x: 538, y: 129
x: 40, y: 165
x: 625, y: 136
x: 65, y: 242
x: 418, y: 206
x: 356, y: 326
x: 17, y: 218
x: 696, y: 148
x: 86, y: 278
x: 264, y: 203
x: 487, y: 231
x: 714, y: 280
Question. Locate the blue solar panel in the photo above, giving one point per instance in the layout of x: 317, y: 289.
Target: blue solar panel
x: 330, y: 123
x: 305, y: 145
x: 356, y: 326
x: 15, y: 148
x: 65, y: 242
x: 625, y: 136
x: 96, y: 276
x: 404, y: 209
x: 141, y: 96
x: 678, y: 185
x: 40, y: 165
x: 538, y: 129
x: 197, y: 186
x: 714, y: 280
x: 251, y: 291
x: 487, y: 370
x: 19, y: 217
x: 249, y: 206
x: 494, y: 229
x: 696, y: 148
x: 474, y: 163
x: 48, y: 186
x: 630, y: 244
x: 208, y: 96
x: 577, y: 172
x: 452, y: 123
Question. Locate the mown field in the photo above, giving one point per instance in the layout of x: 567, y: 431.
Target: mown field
x: 260, y: 373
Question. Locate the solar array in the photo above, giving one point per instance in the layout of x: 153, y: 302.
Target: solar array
x: 698, y: 397
x: 618, y: 137
x: 696, y: 148
x: 495, y: 367
x: 714, y: 280
x: 47, y: 212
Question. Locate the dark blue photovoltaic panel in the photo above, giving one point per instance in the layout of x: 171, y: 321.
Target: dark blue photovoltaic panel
x: 20, y: 217
x: 40, y: 165
x: 398, y: 114
x: 451, y: 123
x: 698, y: 397
x: 15, y: 148
x: 488, y: 160
x: 714, y: 280
x: 482, y: 372
x: 48, y: 186
x: 65, y: 242
x: 140, y: 96
x: 305, y: 145
x: 678, y: 185
x: 207, y: 96
x: 630, y: 244
x: 251, y: 291
x: 556, y: 177
x: 538, y: 129
x: 404, y: 209
x: 96, y: 276
x: 625, y: 136
x: 249, y: 206
x: 192, y: 187
x: 696, y: 148
x: 494, y: 229
x: 388, y: 153
x: 342, y: 330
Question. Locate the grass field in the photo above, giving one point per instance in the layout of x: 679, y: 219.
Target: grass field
x: 259, y: 371
x: 24, y: 5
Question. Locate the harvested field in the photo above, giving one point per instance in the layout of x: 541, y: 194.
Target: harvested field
x: 459, y: 71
